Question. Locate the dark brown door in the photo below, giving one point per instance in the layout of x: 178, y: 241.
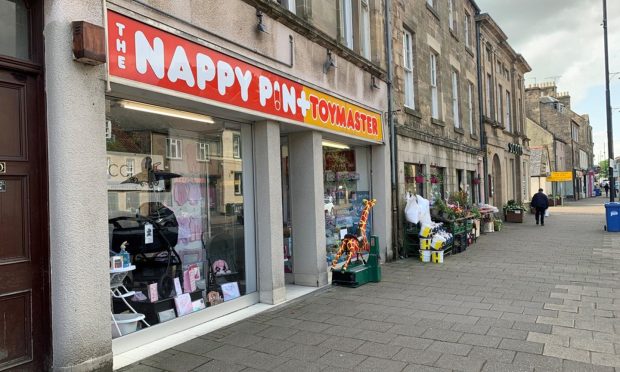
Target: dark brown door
x: 25, y: 336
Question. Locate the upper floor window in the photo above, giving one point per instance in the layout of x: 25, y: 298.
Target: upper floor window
x: 14, y: 29
x: 467, y: 31
x: 174, y: 148
x: 489, y: 95
x: 202, y: 151
x: 365, y: 29
x: 489, y: 56
x: 346, y: 20
x: 408, y: 68
x: 434, y: 88
x: 575, y: 132
x: 236, y: 146
x: 131, y: 167
x: 508, y: 113
x: 470, y: 107
x: 431, y: 3
x: 290, y: 5
x: 455, y: 100
x: 451, y: 22
x: 500, y: 104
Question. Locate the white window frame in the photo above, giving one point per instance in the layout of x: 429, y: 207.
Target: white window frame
x: 451, y: 24
x: 236, y: 146
x: 289, y: 5
x: 130, y: 167
x: 455, y: 100
x: 203, y: 150
x: 431, y: 3
x: 508, y: 122
x: 489, y: 98
x: 408, y: 68
x: 466, y: 30
x: 174, y: 148
x: 433, y: 84
x: 346, y: 17
x: 470, y: 106
x: 500, y: 104
x: 575, y: 132
x: 365, y: 29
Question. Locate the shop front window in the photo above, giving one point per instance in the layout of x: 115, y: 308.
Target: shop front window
x: 176, y: 203
x: 14, y: 29
x: 414, y: 178
x: 437, y: 178
x: 346, y: 185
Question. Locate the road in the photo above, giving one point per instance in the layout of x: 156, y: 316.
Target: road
x: 528, y: 298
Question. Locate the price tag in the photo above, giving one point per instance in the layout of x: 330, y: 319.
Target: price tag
x: 148, y: 233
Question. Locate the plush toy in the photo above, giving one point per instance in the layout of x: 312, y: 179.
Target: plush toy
x: 220, y: 267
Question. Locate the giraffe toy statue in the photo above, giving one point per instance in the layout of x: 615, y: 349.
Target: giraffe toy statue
x: 354, y: 245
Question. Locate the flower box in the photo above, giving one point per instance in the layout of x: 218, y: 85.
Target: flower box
x: 551, y: 202
x: 514, y: 216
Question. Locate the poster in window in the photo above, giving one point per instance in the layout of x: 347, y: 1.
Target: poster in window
x: 230, y: 291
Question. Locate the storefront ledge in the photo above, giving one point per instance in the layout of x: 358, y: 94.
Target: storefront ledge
x: 102, y: 363
x: 441, y: 123
x: 140, y: 345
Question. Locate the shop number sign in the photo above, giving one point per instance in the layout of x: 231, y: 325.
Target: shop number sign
x: 145, y: 54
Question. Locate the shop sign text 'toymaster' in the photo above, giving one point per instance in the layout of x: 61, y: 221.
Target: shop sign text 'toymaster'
x: 145, y: 54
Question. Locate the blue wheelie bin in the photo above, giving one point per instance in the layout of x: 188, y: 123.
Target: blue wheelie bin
x: 612, y: 216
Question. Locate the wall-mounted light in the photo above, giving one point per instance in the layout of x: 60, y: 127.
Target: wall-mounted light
x: 335, y: 145
x: 143, y: 107
x: 260, y: 27
x: 330, y: 62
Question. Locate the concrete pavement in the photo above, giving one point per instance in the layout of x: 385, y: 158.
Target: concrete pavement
x: 523, y: 299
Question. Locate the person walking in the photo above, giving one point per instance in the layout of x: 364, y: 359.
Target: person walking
x: 541, y: 203
x: 607, y: 190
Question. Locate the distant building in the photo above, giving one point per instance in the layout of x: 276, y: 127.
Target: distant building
x: 572, y: 136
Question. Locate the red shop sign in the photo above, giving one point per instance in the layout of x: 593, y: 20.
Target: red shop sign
x: 145, y: 54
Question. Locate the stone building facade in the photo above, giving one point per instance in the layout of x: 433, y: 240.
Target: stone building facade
x: 572, y: 133
x: 436, y: 98
x: 506, y: 141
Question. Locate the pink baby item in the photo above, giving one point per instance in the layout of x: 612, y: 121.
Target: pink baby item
x: 195, y: 228
x: 220, y: 267
x: 194, y: 195
x: 185, y: 232
x: 181, y: 193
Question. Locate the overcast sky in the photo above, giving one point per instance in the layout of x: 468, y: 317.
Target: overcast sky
x: 562, y: 40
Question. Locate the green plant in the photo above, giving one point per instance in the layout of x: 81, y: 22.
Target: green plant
x: 497, y: 224
x: 513, y: 205
x: 459, y: 197
x: 476, y: 212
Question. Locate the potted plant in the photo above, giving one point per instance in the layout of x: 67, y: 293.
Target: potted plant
x: 477, y: 216
x: 419, y: 178
x: 497, y: 224
x: 558, y: 200
x: 513, y: 211
x: 551, y: 199
x: 434, y: 179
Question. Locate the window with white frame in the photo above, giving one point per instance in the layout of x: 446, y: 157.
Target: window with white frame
x: 431, y: 3
x: 575, y: 133
x: 131, y: 167
x: 408, y: 68
x: 202, y: 151
x: 488, y: 98
x: 470, y: 107
x: 346, y: 21
x: 455, y: 100
x: 174, y: 148
x: 467, y: 31
x: 500, y: 104
x: 289, y: 5
x: 365, y: 29
x: 507, y: 120
x: 451, y: 15
x: 434, y: 92
x: 236, y: 146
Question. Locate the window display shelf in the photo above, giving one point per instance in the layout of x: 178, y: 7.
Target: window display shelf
x: 123, y: 295
x: 123, y: 269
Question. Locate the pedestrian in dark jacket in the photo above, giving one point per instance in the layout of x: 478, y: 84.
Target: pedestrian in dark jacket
x: 606, y: 190
x: 541, y: 203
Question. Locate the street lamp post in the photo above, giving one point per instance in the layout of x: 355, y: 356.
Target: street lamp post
x: 610, y: 133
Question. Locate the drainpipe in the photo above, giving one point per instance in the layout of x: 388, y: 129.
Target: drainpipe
x: 483, y: 137
x: 390, y: 117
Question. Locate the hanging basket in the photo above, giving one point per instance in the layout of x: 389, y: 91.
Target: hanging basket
x: 476, y: 181
x: 419, y: 179
x: 434, y: 179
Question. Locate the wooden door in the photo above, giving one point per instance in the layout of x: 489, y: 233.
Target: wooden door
x: 25, y: 335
